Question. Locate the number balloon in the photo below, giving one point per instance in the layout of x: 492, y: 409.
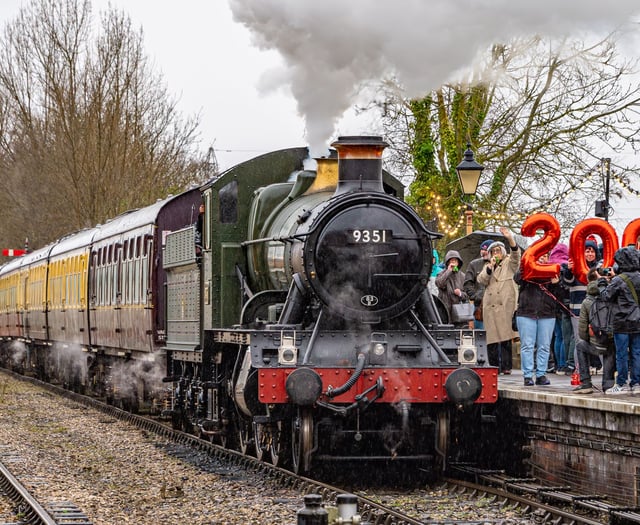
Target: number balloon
x: 577, y: 241
x: 631, y: 233
x: 531, y: 268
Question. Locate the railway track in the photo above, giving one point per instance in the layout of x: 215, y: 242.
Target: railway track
x: 29, y: 510
x: 556, y: 504
x: 535, y: 504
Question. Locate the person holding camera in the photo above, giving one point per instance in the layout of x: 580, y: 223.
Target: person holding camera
x: 450, y: 283
x: 622, y: 292
x: 500, y: 299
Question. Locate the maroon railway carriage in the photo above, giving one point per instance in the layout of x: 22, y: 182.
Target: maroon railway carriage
x: 81, y: 306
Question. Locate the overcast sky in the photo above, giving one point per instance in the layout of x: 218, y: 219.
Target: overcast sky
x: 209, y: 63
x: 295, y: 89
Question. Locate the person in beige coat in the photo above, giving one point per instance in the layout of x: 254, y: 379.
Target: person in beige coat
x: 500, y: 300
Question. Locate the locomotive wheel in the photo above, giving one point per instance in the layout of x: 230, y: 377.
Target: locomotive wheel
x: 278, y: 444
x: 185, y: 424
x: 243, y: 436
x: 269, y: 441
x: 302, y: 441
x: 261, y: 438
x: 442, y: 440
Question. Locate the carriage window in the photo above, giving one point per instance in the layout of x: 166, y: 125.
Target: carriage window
x: 114, y: 285
x: 147, y: 244
x: 136, y: 282
x: 228, y: 201
x: 144, y: 281
x: 99, y: 287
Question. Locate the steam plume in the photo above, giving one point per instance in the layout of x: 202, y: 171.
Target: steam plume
x: 332, y: 48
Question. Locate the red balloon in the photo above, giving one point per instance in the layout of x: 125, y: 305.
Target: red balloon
x: 631, y: 233
x: 531, y: 268
x: 577, y: 241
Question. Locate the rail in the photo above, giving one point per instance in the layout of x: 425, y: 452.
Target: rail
x: 32, y: 511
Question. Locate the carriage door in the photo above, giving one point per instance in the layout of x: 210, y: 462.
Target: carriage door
x: 120, y: 276
x: 93, y: 293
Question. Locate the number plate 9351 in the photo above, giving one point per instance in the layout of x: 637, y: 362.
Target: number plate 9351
x: 369, y: 236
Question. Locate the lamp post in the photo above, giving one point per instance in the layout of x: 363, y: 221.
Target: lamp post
x: 469, y: 172
x: 602, y: 206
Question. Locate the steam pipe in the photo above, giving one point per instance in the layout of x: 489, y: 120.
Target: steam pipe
x: 404, y: 414
x: 334, y: 392
x: 404, y: 408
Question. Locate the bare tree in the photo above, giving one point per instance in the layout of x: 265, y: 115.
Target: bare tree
x: 88, y: 129
x: 538, y: 115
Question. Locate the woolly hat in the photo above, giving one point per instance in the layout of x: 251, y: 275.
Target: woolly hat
x: 500, y: 245
x: 559, y: 253
x: 485, y: 244
x: 591, y: 243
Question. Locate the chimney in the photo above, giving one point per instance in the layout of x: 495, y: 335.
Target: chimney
x: 359, y: 163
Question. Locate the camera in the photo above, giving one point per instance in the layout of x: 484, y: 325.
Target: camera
x: 604, y: 271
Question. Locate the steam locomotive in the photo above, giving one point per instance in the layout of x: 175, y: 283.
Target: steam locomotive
x: 292, y: 320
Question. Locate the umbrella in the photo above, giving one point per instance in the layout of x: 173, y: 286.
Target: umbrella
x: 469, y: 246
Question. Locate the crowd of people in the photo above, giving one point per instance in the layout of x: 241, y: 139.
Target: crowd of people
x: 550, y: 316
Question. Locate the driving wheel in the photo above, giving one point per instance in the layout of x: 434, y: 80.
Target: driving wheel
x: 302, y: 441
x: 442, y: 440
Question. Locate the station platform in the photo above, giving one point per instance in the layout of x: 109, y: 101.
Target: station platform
x: 559, y: 392
x: 589, y: 441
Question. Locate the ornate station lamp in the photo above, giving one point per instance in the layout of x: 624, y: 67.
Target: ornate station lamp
x: 469, y: 172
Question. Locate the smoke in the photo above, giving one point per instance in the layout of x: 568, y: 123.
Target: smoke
x: 127, y: 377
x: 70, y: 361
x: 332, y: 49
x: 18, y: 353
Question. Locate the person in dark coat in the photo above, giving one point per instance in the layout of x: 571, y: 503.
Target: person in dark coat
x: 472, y: 287
x: 585, y: 349
x: 536, y: 320
x: 622, y: 292
x: 450, y: 282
